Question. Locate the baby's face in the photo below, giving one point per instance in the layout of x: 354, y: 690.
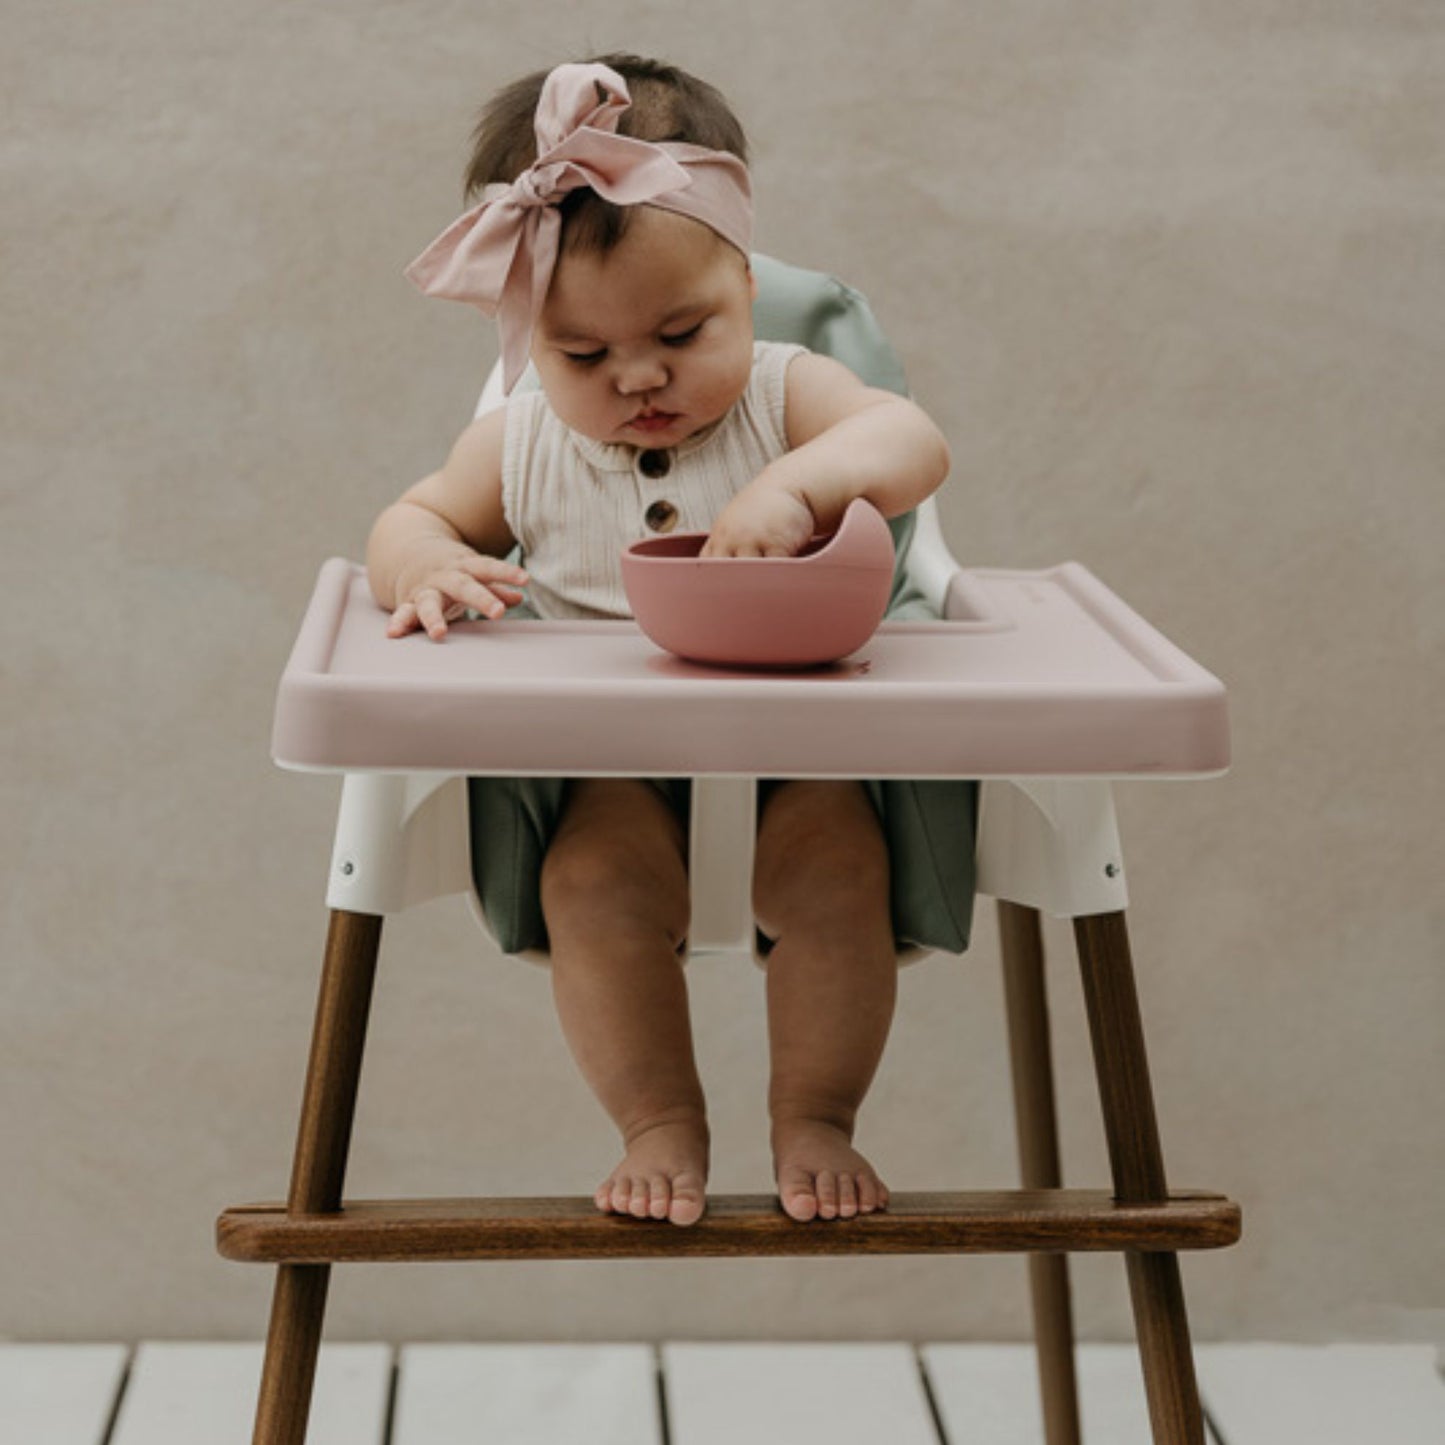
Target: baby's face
x: 651, y: 341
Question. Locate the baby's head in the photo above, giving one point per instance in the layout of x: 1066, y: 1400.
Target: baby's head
x: 667, y: 104
x: 643, y: 333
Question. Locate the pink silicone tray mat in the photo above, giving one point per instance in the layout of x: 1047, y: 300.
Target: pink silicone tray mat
x: 1037, y: 674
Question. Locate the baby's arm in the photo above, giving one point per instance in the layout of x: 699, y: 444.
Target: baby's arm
x: 438, y: 550
x: 846, y: 440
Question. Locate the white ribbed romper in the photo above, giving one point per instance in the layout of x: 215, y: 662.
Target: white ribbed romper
x: 574, y: 504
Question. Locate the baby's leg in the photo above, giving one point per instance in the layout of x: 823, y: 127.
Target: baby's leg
x: 615, y: 898
x: 820, y: 889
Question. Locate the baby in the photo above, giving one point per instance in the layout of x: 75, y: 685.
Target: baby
x: 612, y: 244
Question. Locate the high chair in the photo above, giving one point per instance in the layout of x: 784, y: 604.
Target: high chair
x: 1042, y: 684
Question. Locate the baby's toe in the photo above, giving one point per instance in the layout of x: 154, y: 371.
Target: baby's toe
x: 868, y: 1199
x: 827, y: 1187
x: 686, y: 1205
x: 659, y: 1197
x: 847, y: 1196
x: 798, y: 1194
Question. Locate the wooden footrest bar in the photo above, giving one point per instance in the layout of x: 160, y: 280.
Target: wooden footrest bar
x: 996, y: 1222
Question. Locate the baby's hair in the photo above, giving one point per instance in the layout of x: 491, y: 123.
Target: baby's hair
x: 668, y: 104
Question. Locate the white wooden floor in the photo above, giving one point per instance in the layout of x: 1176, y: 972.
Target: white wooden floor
x: 707, y: 1394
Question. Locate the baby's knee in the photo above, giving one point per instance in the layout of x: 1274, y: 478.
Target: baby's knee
x: 826, y: 850
x: 599, y: 883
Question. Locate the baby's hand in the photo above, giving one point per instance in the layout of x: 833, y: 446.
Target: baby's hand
x: 442, y: 593
x: 763, y: 520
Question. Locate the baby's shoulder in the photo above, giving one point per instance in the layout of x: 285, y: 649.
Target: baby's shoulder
x: 525, y: 417
x: 776, y: 353
x: 771, y: 359
x: 525, y: 408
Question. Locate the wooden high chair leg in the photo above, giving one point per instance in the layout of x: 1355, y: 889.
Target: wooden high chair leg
x: 1138, y: 1167
x: 318, y: 1171
x: 1021, y: 944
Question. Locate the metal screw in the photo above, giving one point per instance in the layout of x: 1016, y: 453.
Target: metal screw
x: 348, y: 868
x: 1111, y: 870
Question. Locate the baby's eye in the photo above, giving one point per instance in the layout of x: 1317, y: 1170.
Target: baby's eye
x: 585, y: 358
x: 681, y: 338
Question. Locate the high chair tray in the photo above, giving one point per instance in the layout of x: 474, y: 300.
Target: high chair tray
x: 1036, y: 674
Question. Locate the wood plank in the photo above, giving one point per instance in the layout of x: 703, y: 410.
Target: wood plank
x: 527, y: 1395
x: 1268, y: 1394
x: 989, y: 1394
x: 185, y: 1393
x: 796, y: 1394
x: 974, y: 1222
x: 58, y: 1394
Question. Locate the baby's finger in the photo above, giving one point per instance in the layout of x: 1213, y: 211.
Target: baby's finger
x: 403, y: 620
x: 431, y: 614
x: 493, y: 569
x: 465, y: 588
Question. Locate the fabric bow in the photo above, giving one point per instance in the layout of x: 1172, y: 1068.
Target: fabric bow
x: 500, y: 255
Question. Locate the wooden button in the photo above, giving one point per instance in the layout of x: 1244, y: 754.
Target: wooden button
x: 654, y: 464
x: 661, y: 516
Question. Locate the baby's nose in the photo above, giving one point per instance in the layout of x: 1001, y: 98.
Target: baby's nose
x: 644, y: 373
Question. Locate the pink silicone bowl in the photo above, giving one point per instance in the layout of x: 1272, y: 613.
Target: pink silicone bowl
x: 798, y: 611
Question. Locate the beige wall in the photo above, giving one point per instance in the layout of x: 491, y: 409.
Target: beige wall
x: 1171, y: 278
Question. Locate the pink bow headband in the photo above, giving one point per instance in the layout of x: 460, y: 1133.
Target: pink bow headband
x: 500, y: 255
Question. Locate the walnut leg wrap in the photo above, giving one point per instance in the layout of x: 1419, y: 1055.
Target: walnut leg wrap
x: 1030, y: 1055
x: 1163, y: 1327
x: 337, y: 1040
x: 318, y: 1172
x: 1138, y: 1168
x: 298, y: 1306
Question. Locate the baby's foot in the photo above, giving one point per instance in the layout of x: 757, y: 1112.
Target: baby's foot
x: 663, y: 1175
x: 820, y: 1174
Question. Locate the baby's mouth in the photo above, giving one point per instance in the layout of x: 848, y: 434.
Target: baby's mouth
x: 650, y: 421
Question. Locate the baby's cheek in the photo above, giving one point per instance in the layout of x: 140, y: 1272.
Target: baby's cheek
x: 727, y: 384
